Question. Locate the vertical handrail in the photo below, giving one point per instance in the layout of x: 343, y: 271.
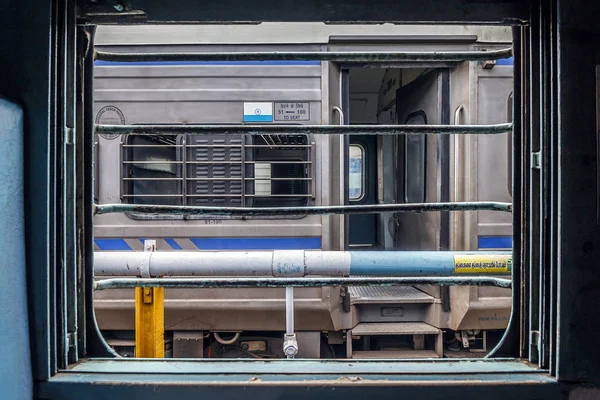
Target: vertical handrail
x: 341, y: 114
x: 458, y: 163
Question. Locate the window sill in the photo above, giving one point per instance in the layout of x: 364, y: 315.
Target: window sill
x: 101, y: 378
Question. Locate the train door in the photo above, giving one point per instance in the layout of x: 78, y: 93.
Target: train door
x: 423, y: 161
x: 362, y: 186
x: 361, y: 156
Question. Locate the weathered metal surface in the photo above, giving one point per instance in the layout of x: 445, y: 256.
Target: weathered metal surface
x: 337, y: 56
x: 388, y: 295
x: 121, y: 16
x: 573, y: 287
x: 94, y: 342
x: 305, y: 367
x: 273, y: 129
x: 349, y: 385
x: 316, y: 210
x: 394, y: 328
x: 182, y: 283
x: 334, y: 11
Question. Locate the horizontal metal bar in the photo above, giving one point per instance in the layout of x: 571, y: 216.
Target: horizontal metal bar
x: 217, y: 179
x: 336, y: 56
x: 297, y: 263
x: 154, y: 162
x: 150, y: 130
x: 276, y: 146
x: 187, y: 179
x: 316, y: 210
x: 152, y: 179
x: 150, y: 146
x: 208, y: 146
x: 152, y: 195
x: 272, y: 179
x: 182, y: 283
x: 217, y: 162
x: 214, y: 195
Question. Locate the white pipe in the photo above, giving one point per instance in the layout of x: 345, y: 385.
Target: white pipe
x: 281, y: 263
x: 289, y: 310
x: 184, y: 263
x: 295, y: 263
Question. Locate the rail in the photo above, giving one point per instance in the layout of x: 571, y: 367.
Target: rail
x: 313, y: 210
x: 205, y: 283
x: 153, y: 130
x: 336, y: 56
x: 300, y: 263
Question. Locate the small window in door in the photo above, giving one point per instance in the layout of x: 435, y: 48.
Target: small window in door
x: 356, y: 173
x: 414, y: 157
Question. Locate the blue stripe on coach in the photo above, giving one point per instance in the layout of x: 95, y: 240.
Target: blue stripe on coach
x: 112, y: 244
x: 298, y: 243
x: 170, y: 63
x: 495, y: 242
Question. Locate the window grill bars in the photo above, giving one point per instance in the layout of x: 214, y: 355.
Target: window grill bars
x: 359, y: 57
x: 151, y: 130
x: 315, y: 210
x: 336, y: 56
x: 230, y: 282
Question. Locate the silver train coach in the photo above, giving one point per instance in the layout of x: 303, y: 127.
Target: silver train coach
x: 301, y: 170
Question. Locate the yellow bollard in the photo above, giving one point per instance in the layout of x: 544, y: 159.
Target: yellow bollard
x: 149, y: 322
x: 149, y: 318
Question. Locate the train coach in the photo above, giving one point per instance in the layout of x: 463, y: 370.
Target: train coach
x: 280, y: 170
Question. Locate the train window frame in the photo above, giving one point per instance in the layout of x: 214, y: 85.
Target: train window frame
x: 362, y: 173
x: 88, y: 376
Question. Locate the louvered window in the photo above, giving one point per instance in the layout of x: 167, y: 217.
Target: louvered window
x: 218, y: 170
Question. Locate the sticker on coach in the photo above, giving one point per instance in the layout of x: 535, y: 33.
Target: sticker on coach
x: 258, y: 112
x: 482, y: 264
x: 110, y: 115
x: 298, y: 111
